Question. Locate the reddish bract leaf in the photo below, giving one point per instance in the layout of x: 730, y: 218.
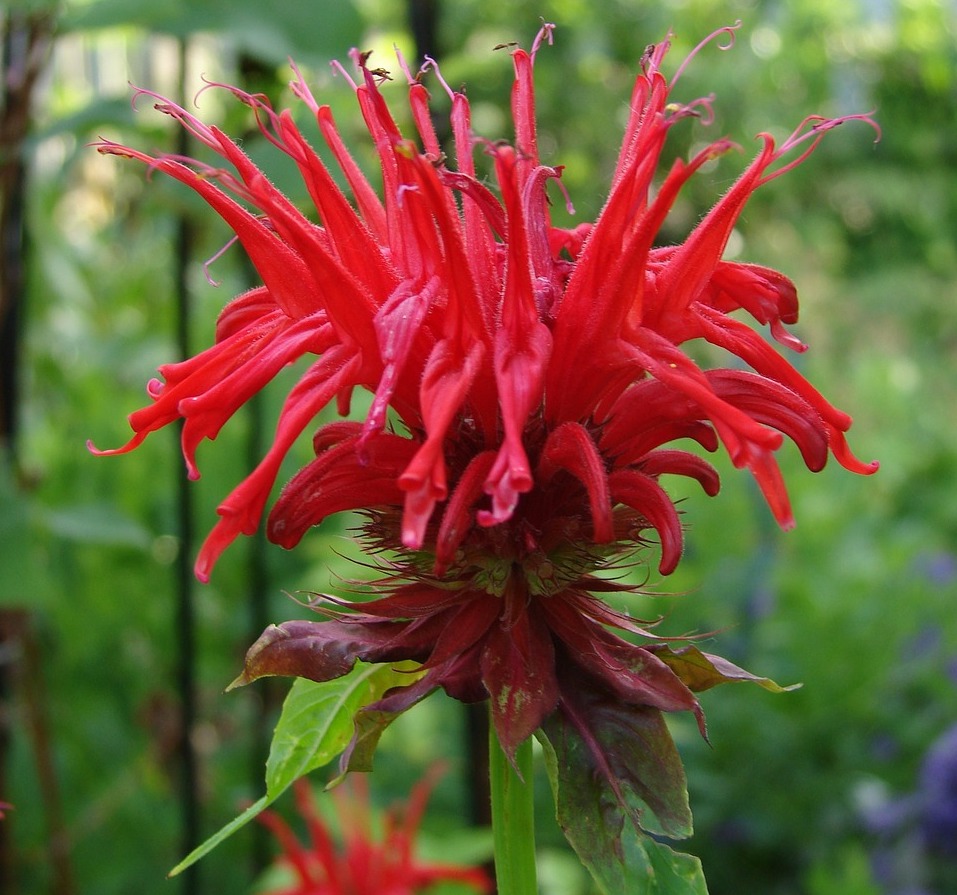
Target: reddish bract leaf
x: 518, y: 670
x: 319, y: 651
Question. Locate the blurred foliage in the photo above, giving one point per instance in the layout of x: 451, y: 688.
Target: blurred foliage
x: 857, y: 603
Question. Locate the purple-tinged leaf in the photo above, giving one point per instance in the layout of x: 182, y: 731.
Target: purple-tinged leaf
x: 372, y: 719
x: 598, y: 817
x: 620, y: 759
x: 702, y: 671
x: 319, y: 651
x: 518, y: 669
x: 634, y: 674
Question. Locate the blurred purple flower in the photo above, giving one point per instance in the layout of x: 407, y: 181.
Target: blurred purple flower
x: 939, y: 567
x: 938, y: 788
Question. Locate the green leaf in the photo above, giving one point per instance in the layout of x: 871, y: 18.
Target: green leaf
x: 223, y: 834
x: 271, y: 32
x: 315, y: 725
x: 371, y: 722
x: 618, y: 854
x: 622, y: 758
x: 97, y: 524
x: 299, y: 744
x: 649, y: 867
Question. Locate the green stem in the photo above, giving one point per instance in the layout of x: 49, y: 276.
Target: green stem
x: 513, y: 818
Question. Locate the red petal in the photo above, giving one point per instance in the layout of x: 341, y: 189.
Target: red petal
x: 774, y: 405
x: 241, y: 511
x: 338, y: 479
x: 682, y: 463
x: 645, y: 495
x: 571, y: 448
x: 457, y: 518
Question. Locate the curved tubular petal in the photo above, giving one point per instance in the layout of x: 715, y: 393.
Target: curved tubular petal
x: 205, y: 414
x: 571, y: 448
x: 446, y: 382
x: 670, y: 366
x: 456, y: 520
x: 241, y: 511
x: 767, y: 474
x: 644, y: 494
x: 355, y: 244
x: 398, y: 326
x: 522, y: 349
x: 252, y: 309
x: 370, y: 206
x: 338, y: 479
x: 692, y: 264
x: 767, y: 295
x: 770, y: 403
x: 682, y: 463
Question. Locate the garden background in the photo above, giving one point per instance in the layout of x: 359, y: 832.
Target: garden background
x: 818, y: 791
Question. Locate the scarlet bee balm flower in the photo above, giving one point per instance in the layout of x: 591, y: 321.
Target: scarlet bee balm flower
x: 360, y: 865
x: 528, y: 384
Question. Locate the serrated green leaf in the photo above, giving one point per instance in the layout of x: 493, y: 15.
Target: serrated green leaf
x: 300, y: 744
x: 315, y: 725
x: 620, y: 759
x: 619, y: 856
x: 618, y: 782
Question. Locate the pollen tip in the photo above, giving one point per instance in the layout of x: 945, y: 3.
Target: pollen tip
x: 411, y: 539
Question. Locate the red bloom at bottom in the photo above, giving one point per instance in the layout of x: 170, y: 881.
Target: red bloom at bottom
x: 359, y: 865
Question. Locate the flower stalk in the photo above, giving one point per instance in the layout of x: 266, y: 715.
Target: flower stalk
x: 513, y: 817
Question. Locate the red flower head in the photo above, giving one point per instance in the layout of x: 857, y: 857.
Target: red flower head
x: 359, y: 865
x: 528, y: 384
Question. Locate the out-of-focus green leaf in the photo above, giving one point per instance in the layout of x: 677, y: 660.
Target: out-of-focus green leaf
x: 97, y: 524
x: 99, y: 112
x: 270, y: 32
